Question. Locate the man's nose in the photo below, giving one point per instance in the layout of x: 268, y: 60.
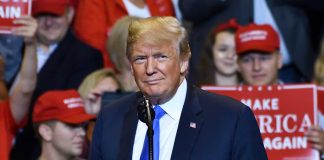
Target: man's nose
x: 256, y: 64
x: 48, y: 20
x: 81, y: 131
x: 150, y: 66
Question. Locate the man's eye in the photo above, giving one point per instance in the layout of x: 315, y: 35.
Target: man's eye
x: 161, y: 57
x: 246, y: 59
x: 139, y: 60
x: 265, y: 57
x: 73, y: 126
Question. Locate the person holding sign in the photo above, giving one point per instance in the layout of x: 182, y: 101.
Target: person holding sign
x: 63, y: 61
x: 14, y: 107
x: 259, y: 61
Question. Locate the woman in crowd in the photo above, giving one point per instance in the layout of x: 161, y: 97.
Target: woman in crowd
x: 218, y: 63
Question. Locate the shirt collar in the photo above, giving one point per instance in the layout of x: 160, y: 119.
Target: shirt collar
x: 174, y: 106
x: 50, y: 50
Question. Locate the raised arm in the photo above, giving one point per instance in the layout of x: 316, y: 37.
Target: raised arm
x: 24, y: 86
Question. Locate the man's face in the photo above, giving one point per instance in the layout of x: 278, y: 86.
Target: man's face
x: 51, y: 28
x: 68, y: 139
x: 260, y: 68
x: 157, y: 70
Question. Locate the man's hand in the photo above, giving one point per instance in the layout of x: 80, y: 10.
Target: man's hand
x: 315, y: 136
x: 27, y: 28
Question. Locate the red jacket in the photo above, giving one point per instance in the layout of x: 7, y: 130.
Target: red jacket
x: 8, y: 129
x: 94, y: 19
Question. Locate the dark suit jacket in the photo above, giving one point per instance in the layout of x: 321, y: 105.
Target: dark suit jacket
x: 225, y: 130
x: 70, y: 63
x: 66, y: 68
x: 291, y: 20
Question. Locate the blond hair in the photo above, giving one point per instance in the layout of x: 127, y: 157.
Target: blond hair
x: 94, y: 78
x: 319, y: 67
x: 158, y: 30
x: 116, y: 45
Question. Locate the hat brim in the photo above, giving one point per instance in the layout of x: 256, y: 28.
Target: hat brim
x: 76, y: 119
x: 58, y: 9
x: 256, y: 47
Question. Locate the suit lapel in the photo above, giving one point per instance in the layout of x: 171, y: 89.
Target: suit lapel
x: 190, y: 124
x: 59, y: 54
x: 128, y: 134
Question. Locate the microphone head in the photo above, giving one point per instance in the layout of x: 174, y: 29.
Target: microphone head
x: 142, y: 110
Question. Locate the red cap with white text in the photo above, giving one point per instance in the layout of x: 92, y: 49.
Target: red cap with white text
x: 63, y: 105
x: 255, y: 37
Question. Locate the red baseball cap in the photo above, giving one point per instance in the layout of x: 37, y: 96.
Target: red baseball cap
x: 255, y: 37
x: 63, y: 105
x: 227, y: 25
x: 56, y: 7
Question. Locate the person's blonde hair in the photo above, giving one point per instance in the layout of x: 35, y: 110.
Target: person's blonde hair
x: 159, y: 30
x: 117, y: 42
x: 94, y: 78
x: 319, y: 67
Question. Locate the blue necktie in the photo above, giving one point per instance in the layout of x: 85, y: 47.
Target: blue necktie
x: 159, y: 112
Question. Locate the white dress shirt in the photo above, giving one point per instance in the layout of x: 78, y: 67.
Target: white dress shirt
x: 42, y: 56
x: 133, y: 10
x: 168, y: 125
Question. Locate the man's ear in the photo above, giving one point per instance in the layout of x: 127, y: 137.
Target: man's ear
x: 70, y: 14
x: 184, y: 66
x: 46, y: 132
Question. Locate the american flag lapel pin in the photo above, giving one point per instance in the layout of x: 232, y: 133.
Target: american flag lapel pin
x: 193, y: 125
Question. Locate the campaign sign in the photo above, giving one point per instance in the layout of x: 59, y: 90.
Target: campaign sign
x: 10, y: 10
x: 284, y: 113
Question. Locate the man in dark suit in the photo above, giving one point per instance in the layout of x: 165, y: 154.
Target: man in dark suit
x: 189, y: 123
x: 63, y: 61
x: 284, y: 15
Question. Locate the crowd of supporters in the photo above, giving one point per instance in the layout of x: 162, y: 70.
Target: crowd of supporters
x: 66, y: 46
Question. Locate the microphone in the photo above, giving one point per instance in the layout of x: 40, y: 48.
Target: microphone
x: 146, y: 114
x: 145, y: 111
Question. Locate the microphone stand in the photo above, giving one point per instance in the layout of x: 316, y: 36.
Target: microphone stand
x: 150, y: 131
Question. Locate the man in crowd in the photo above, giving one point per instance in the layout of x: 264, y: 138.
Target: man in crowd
x: 59, y: 119
x: 189, y: 123
x: 14, y: 106
x: 259, y: 61
x: 62, y: 60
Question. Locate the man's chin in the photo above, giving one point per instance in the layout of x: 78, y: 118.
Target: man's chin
x: 258, y: 83
x: 153, y: 94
